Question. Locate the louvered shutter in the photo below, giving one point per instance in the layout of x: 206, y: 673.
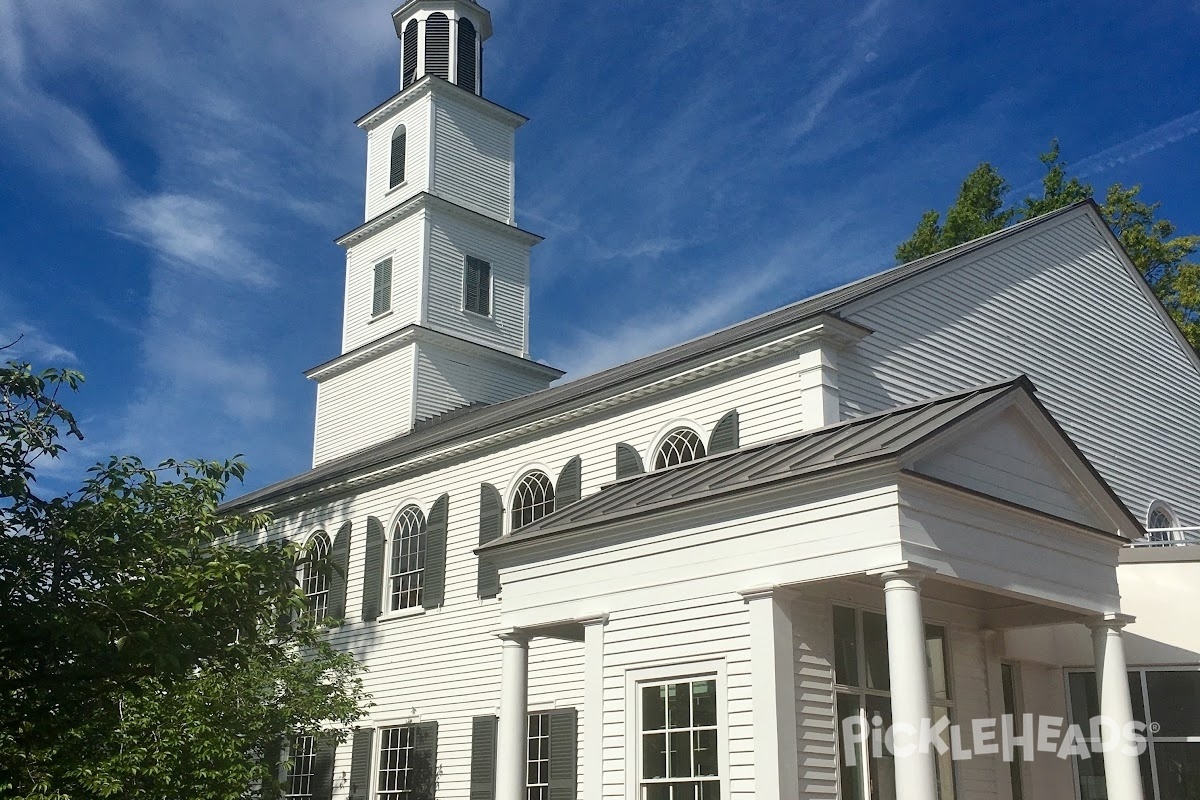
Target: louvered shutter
x: 322, y: 780
x: 399, y: 142
x: 382, y: 298
x: 424, y: 777
x: 272, y: 756
x: 628, y: 461
x: 339, y: 568
x: 466, y: 54
x: 360, y: 762
x: 485, y: 286
x: 471, y: 285
x: 491, y: 525
x: 372, y: 600
x: 566, y: 488
x: 437, y: 46
x: 433, y: 591
x: 563, y: 762
x: 483, y: 757
x: 725, y: 435
x: 286, y: 615
x: 409, y: 59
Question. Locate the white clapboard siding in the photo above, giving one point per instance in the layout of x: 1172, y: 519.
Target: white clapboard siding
x: 451, y: 241
x: 473, y: 158
x: 449, y: 379
x: 364, y: 406
x: 402, y: 243
x: 816, y: 714
x: 1058, y: 305
x: 380, y: 197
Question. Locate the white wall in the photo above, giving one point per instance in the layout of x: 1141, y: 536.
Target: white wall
x: 364, y: 406
x: 415, y: 117
x: 402, y: 243
x: 473, y: 158
x: 448, y: 379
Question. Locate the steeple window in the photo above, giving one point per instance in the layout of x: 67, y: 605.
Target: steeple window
x: 477, y: 286
x: 408, y: 58
x: 382, y: 297
x: 399, y: 141
x: 437, y: 46
x: 466, y: 54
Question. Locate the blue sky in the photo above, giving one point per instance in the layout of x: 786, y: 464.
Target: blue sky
x: 173, y: 174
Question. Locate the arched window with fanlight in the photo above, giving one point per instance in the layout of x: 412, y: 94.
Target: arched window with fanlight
x: 532, y: 500
x: 314, y: 581
x: 437, y: 46
x: 408, y: 559
x: 1161, y: 523
x: 466, y: 55
x: 399, y: 143
x: 680, y: 446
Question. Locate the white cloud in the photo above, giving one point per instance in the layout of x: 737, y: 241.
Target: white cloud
x: 1176, y: 130
x: 25, y: 341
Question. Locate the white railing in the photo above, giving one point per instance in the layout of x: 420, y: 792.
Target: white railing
x: 1168, y: 537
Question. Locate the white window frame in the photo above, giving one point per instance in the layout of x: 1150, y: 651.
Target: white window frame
x: 524, y: 473
x: 1162, y: 507
x: 389, y: 553
x: 312, y: 537
x: 491, y: 288
x: 678, y: 671
x: 528, y: 760
x: 377, y: 752
x: 666, y: 430
x: 290, y: 772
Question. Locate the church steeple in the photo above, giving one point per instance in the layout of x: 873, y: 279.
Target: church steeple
x: 437, y: 278
x: 443, y: 38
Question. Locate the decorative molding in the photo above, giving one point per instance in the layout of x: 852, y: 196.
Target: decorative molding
x: 431, y: 84
x: 424, y: 201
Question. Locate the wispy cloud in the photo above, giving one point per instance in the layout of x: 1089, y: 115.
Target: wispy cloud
x: 1176, y: 130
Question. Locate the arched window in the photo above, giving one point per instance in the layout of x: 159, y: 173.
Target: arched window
x: 408, y: 58
x: 1159, y: 520
x: 680, y: 446
x: 437, y: 46
x: 399, y: 141
x: 533, y: 499
x: 408, y: 559
x: 315, y: 580
x: 466, y: 54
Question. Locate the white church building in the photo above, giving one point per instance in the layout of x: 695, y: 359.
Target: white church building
x: 958, y: 489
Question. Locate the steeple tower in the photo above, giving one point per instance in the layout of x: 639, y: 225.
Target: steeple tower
x: 436, y: 310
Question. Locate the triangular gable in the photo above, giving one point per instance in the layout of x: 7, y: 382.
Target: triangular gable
x: 1016, y: 453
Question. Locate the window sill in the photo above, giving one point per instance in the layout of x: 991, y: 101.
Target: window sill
x: 377, y: 317
x: 396, y: 188
x: 403, y: 613
x: 477, y: 315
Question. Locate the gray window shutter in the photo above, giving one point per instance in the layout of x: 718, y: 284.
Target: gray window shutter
x: 381, y: 300
x: 566, y: 489
x: 485, y: 287
x: 483, y: 757
x: 466, y: 54
x: 437, y: 46
x: 491, y: 525
x: 725, y: 436
x: 433, y: 590
x: 272, y: 758
x: 410, y: 55
x: 628, y: 461
x: 424, y: 777
x: 372, y: 601
x: 286, y: 616
x: 360, y: 762
x: 339, y: 568
x: 399, y: 141
x: 563, y: 727
x: 322, y: 781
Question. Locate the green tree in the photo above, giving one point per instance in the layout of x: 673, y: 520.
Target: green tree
x: 144, y: 651
x: 1163, y: 258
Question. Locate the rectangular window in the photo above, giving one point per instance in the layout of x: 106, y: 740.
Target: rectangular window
x: 300, y: 775
x: 477, y: 286
x: 679, y: 740
x: 862, y: 674
x: 1170, y: 765
x: 382, y: 298
x: 537, y: 776
x: 397, y: 763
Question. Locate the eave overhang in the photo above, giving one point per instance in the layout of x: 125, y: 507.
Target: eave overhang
x: 431, y: 84
x: 425, y: 201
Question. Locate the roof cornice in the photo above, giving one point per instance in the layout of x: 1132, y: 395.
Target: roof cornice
x: 425, y: 201
x: 431, y: 84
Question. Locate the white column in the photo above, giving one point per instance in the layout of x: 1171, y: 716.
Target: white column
x: 773, y: 668
x: 1122, y: 775
x: 593, y: 707
x: 514, y: 712
x: 911, y: 706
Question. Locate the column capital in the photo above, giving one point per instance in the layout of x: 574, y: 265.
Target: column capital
x: 772, y: 591
x: 1113, y: 621
x: 903, y: 573
x: 514, y: 636
x: 598, y: 619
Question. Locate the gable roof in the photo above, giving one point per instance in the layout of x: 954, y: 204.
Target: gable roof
x: 497, y: 417
x: 877, y: 437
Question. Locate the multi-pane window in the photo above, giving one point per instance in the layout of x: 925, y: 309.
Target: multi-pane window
x: 477, y: 286
x: 862, y: 678
x: 679, y: 740
x: 315, y: 580
x: 381, y: 298
x: 1169, y: 698
x: 300, y: 774
x: 680, y: 446
x: 408, y: 559
x: 396, y: 167
x: 1160, y: 520
x: 397, y: 763
x: 533, y: 499
x: 537, y: 774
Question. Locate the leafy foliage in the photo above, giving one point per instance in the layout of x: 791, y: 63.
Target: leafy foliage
x: 141, y: 647
x: 1163, y: 258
